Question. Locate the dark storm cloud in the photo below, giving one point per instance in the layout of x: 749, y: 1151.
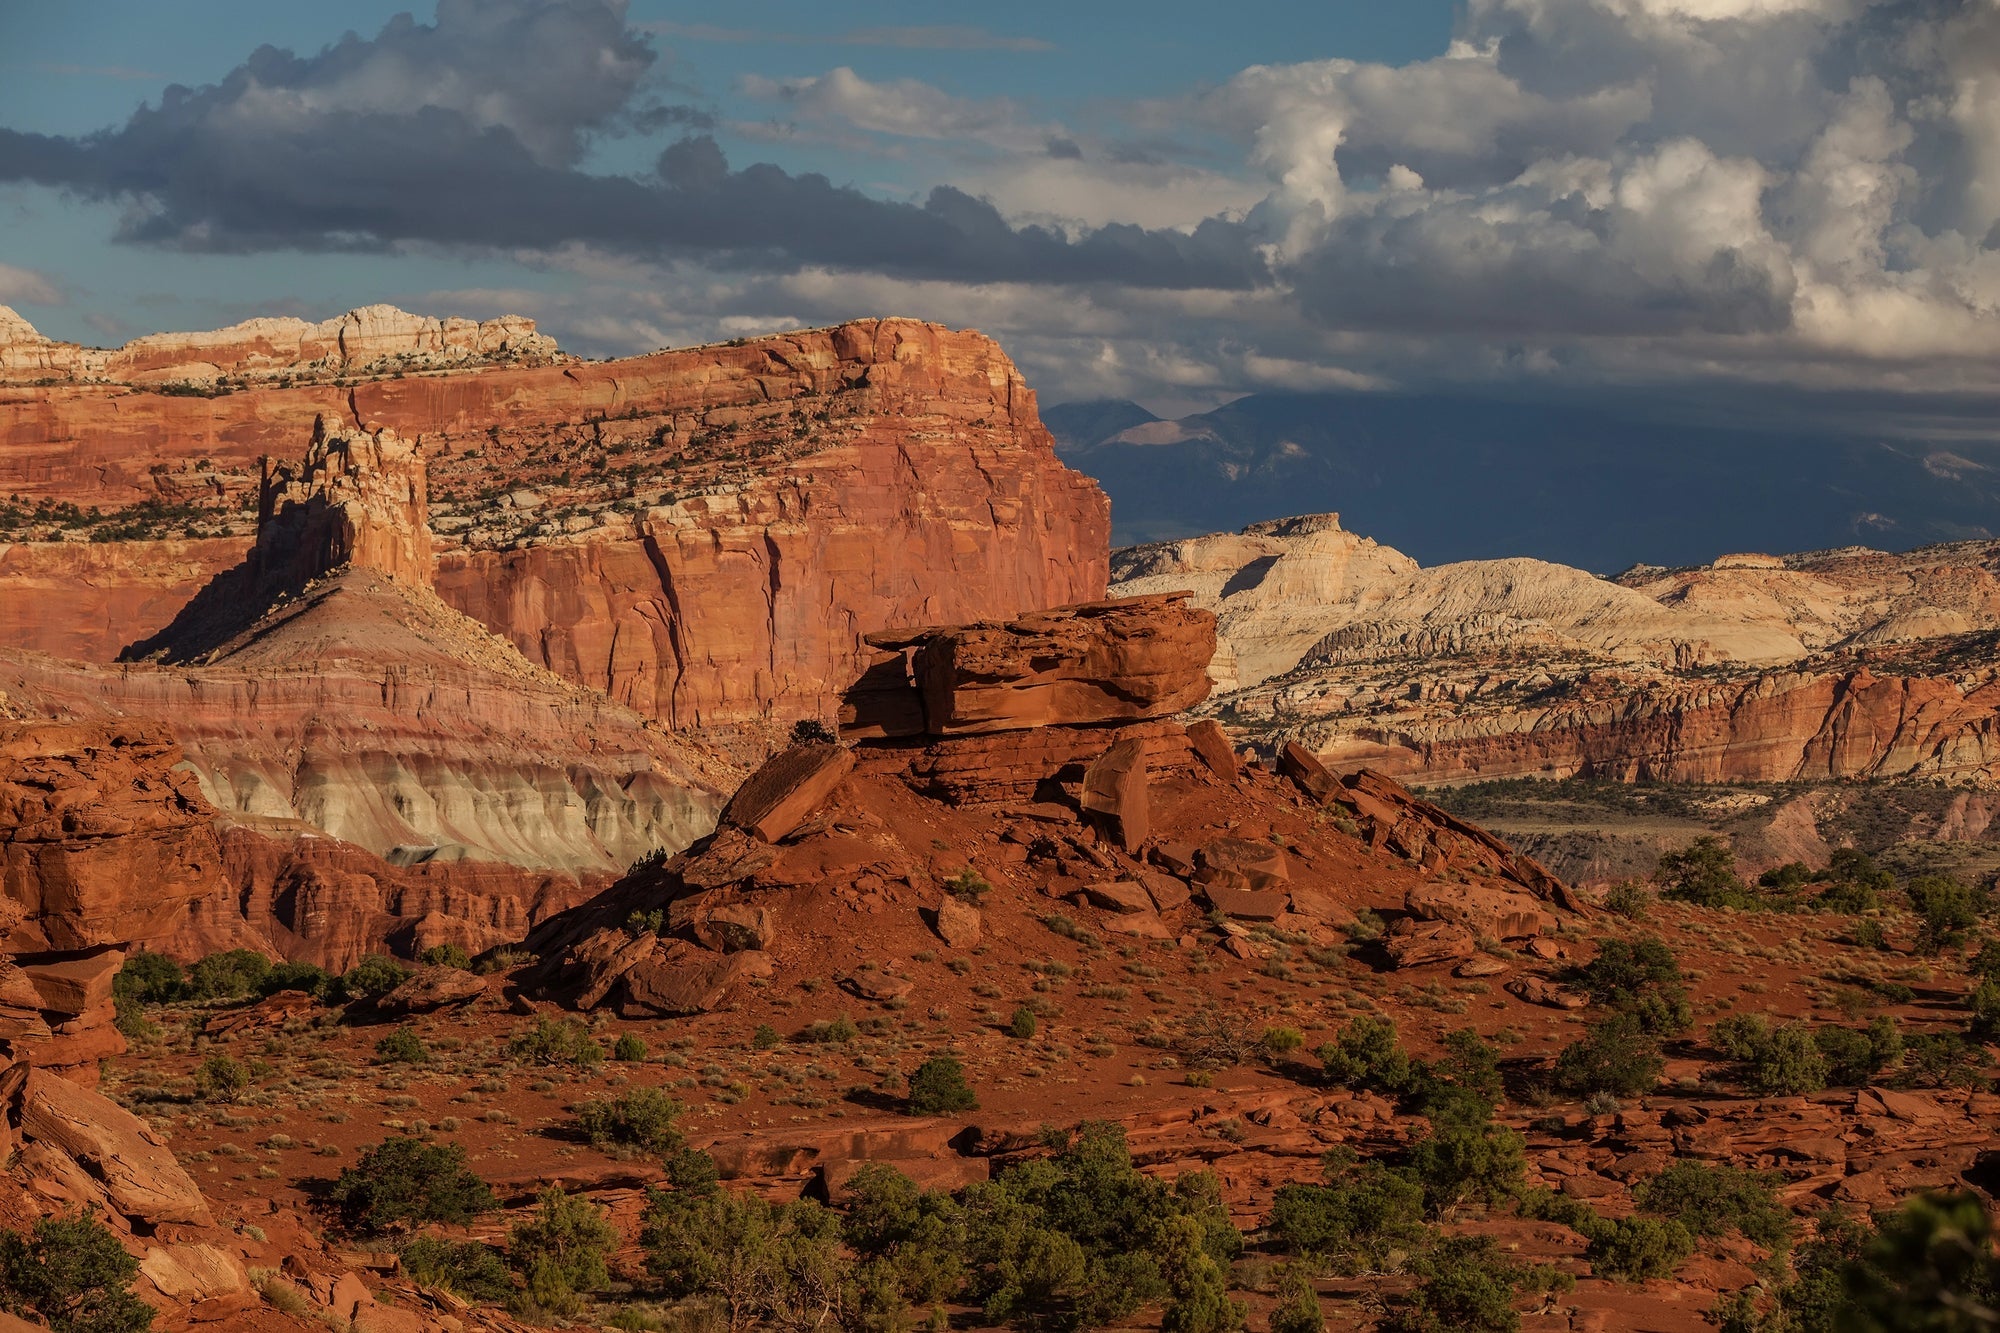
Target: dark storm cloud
x: 472, y: 131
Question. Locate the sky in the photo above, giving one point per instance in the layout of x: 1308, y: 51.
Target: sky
x: 1178, y: 202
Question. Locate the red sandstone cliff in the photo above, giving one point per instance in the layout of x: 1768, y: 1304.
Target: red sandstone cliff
x: 705, y: 535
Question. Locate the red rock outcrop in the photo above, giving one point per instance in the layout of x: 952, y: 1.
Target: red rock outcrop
x: 705, y: 535
x: 358, y: 501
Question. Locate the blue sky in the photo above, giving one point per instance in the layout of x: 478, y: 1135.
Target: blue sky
x: 1179, y: 202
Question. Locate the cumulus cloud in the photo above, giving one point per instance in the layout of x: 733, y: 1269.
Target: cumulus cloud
x: 474, y: 130
x: 24, y: 286
x: 1782, y: 191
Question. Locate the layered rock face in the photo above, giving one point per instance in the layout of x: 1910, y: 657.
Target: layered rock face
x: 103, y: 844
x: 359, y: 501
x: 1090, y: 795
x: 1827, y: 666
x: 704, y: 535
x: 271, y: 348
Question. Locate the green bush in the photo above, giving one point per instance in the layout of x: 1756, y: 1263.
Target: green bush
x: 968, y: 885
x: 220, y: 1079
x: 759, y: 1263
x: 1640, y: 977
x: 1741, y: 1036
x: 1462, y: 1161
x: 1634, y: 1248
x: 73, y: 1274
x: 765, y: 1038
x: 1298, y: 1309
x: 129, y: 1017
x: 641, y: 1119
x: 1703, y: 873
x: 939, y: 1088
x: 1984, y: 1004
x: 1022, y: 1024
x: 446, y: 955
x: 1867, y: 934
x: 1789, y: 1063
x: 909, y: 1244
x: 1614, y: 1056
x: 1946, y: 909
x: 402, y: 1047
x: 1628, y: 900
x: 1854, y: 883
x: 561, y: 1251
x: 467, y: 1269
x: 230, y: 975
x: 374, y: 976
x: 1854, y: 1056
x: 831, y: 1031
x: 1082, y: 1239
x: 309, y: 978
x: 1357, y: 1218
x: 628, y: 1048
x: 1943, y: 1060
x: 1280, y: 1041
x: 149, y: 978
x: 1466, y: 1284
x: 1929, y: 1268
x: 1716, y: 1201
x: 1367, y: 1055
x: 406, y: 1180
x: 556, y: 1041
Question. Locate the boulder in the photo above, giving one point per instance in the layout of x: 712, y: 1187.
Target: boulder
x: 187, y: 1273
x: 877, y: 986
x: 271, y: 1012
x: 434, y: 988
x: 1166, y: 891
x: 790, y: 785
x: 135, y: 1169
x: 694, y: 981
x: 1176, y: 858
x: 1145, y: 925
x: 1119, y: 661
x: 736, y: 926
x: 957, y: 922
x: 1212, y: 747
x: 1321, y: 906
x: 75, y: 985
x: 1303, y: 767
x: 1115, y: 790
x: 1244, y: 905
x: 1542, y: 991
x: 1119, y: 896
x: 1483, y: 966
x: 1261, y: 864
x: 1414, y: 943
x: 606, y: 957
x: 1485, y: 909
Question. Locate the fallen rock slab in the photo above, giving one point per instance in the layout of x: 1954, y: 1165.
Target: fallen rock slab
x: 1414, y: 943
x: 776, y: 799
x: 135, y: 1169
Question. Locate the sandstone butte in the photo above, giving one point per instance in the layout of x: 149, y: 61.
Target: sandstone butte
x: 703, y: 535
x: 1827, y: 666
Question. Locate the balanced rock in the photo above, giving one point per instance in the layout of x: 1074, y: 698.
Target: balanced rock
x: 776, y: 799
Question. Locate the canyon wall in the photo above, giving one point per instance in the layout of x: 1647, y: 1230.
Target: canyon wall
x: 705, y: 535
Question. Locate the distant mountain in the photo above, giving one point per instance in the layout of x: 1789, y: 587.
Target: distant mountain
x: 1600, y: 486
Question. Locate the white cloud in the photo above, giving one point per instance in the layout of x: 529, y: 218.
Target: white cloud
x: 24, y: 286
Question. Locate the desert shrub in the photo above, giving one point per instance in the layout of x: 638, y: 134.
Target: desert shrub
x: 1985, y: 964
x: 1813, y: 1292
x: 1854, y: 883
x: 220, y: 1079
x: 1929, y: 1268
x: 560, y: 1251
x: 1741, y: 1036
x: 1463, y: 1160
x: 909, y: 1243
x: 73, y: 1274
x: 1640, y: 977
x: 1855, y: 1055
x: 1082, y: 1239
x: 1946, y: 911
x: 1634, y: 1248
x: 1615, y: 1055
x: 1022, y: 1024
x: 969, y: 885
x: 402, y: 1047
x: 1628, y: 900
x: 1466, y: 1284
x: 1468, y: 1066
x: 149, y: 978
x: 1281, y: 1040
x: 309, y: 978
x: 1942, y: 1060
x: 1787, y: 1063
x: 812, y: 731
x: 1214, y: 1038
x: 628, y: 1048
x: 556, y: 1041
x: 1984, y: 1005
x: 1298, y: 1309
x: 765, y: 1038
x: 405, y: 1180
x: 758, y: 1262
x: 467, y: 1269
x: 446, y: 955
x: 1867, y: 934
x: 840, y: 1029
x: 229, y: 975
x: 1367, y: 1055
x: 1703, y: 873
x: 652, y: 921
x: 641, y: 1119
x: 939, y: 1088
x: 375, y: 975
x: 1360, y: 1215
x: 1716, y: 1201
x: 129, y: 1017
